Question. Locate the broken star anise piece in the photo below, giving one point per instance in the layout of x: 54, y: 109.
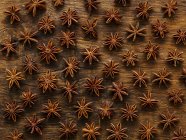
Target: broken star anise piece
x: 130, y: 58
x: 159, y: 29
x: 46, y: 24
x: 67, y: 39
x: 15, y: 135
x: 180, y: 36
x: 170, y: 8
x: 105, y: 109
x: 110, y: 69
x: 176, y: 96
x: 12, y: 13
x: 92, y: 5
x: 28, y: 98
x: 129, y: 113
x: 140, y: 78
x: 143, y: 10
x: 58, y: 2
x: 113, y: 15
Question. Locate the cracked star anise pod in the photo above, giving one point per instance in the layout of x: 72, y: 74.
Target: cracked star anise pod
x: 121, y: 2
x: 113, y: 41
x: 113, y: 15
x: 47, y: 82
x: 46, y: 24
x: 67, y: 39
x: 179, y: 134
x: 139, y: 78
x: 34, y: 5
x: 143, y: 10
x: 170, y: 8
x: 110, y: 69
x: 135, y: 31
x: 105, y: 109
x: 92, y: 5
x: 176, y: 96
x: 180, y: 36
x: 12, y: 13
x: 175, y: 57
x: 130, y: 58
x: 58, y: 2
x: 129, y: 113
x: 69, y: 17
x: 15, y: 135
x: 159, y: 29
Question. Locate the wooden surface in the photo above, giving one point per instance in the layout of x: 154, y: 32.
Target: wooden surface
x: 50, y: 131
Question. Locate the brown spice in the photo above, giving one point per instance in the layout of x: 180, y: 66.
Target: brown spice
x: 180, y: 36
x: 129, y: 113
x: 113, y: 15
x: 143, y: 10
x: 46, y: 24
x: 105, y: 109
x: 67, y: 39
x: 179, y: 134
x: 140, y: 78
x: 130, y: 58
x: 12, y: 13
x: 170, y: 8
x: 89, y: 28
x: 176, y: 96
x: 122, y: 2
x: 92, y: 5
x: 58, y: 2
x: 111, y: 69
x: 159, y: 29
x: 15, y: 135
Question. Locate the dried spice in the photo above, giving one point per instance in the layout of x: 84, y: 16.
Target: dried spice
x: 113, y: 15
x: 143, y: 10
x: 90, y: 28
x: 58, y: 2
x: 110, y: 69
x: 122, y: 2
x: 105, y: 109
x: 140, y: 78
x: 12, y: 110
x: 46, y: 24
x: 170, y: 8
x: 15, y: 135
x: 90, y: 131
x: 180, y: 134
x: 129, y: 113
x: 135, y: 31
x: 69, y: 17
x: 176, y: 96
x: 67, y: 39
x: 159, y: 29
x: 183, y: 76
x: 83, y: 108
x: 28, y: 98
x: 72, y: 66
x: 130, y: 58
x: 13, y: 14
x: 117, y: 132
x: 94, y: 85
x: 92, y: 5
x: 34, y: 5
x: 180, y: 36
x: 119, y: 90
x: 113, y: 41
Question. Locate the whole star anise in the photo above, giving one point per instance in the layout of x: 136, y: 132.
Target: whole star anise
x: 92, y: 5
x: 170, y: 7
x: 46, y: 24
x: 15, y: 135
x: 58, y: 2
x: 130, y: 58
x: 28, y: 98
x: 180, y: 36
x: 143, y: 10
x: 139, y: 78
x: 122, y: 2
x: 89, y: 28
x: 105, y: 109
x: 67, y: 39
x: 12, y: 13
x: 113, y: 15
x: 176, y: 96
x: 129, y: 113
x: 159, y: 29
x: 179, y: 134
x: 110, y: 69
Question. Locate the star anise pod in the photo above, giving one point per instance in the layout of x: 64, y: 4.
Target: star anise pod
x: 12, y: 13
x: 143, y: 10
x: 151, y: 51
x: 176, y: 96
x: 46, y: 24
x: 122, y: 2
x: 68, y: 17
x: 91, y: 131
x: 34, y: 5
x: 69, y: 89
x: 47, y: 81
x: 113, y: 41
x: 129, y: 113
x: 92, y: 5
x: 34, y: 124
x: 162, y: 77
x: 175, y: 57
x: 91, y: 54
x: 28, y: 98
x: 147, y: 100
x: 14, y: 77
x: 72, y: 66
x: 135, y: 31
x: 113, y: 15
x: 170, y: 7
x: 105, y: 109
x: 30, y: 65
x: 159, y: 29
x: 130, y: 58
x: 48, y: 52
x: 147, y: 131
x: 83, y: 108
x: 94, y: 85
x: 180, y: 36
x: 89, y: 28
x: 58, y: 2
x: 139, y: 78
x: 183, y: 76
x: 179, y: 134
x: 67, y: 129
x: 67, y: 39
x: 119, y: 90
x: 15, y: 135
x: 117, y: 132
x: 111, y: 69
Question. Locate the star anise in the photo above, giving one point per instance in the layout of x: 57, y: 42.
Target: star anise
x: 168, y: 119
x: 46, y: 24
x: 175, y: 57
x: 13, y: 14
x: 12, y: 110
x: 140, y: 78
x: 91, y: 131
x: 105, y: 109
x: 72, y: 66
x: 48, y: 52
x: 183, y: 76
x: 119, y: 90
x: 15, y: 135
x: 30, y: 65
x: 67, y: 129
x: 34, y: 124
x: 159, y: 29
x: 143, y: 10
x: 162, y: 77
x: 179, y: 134
x: 113, y: 15
x: 170, y: 7
x: 111, y: 69
x: 151, y: 51
x: 47, y: 81
x: 122, y: 2
x: 28, y: 98
x: 176, y: 96
x: 147, y: 100
x: 14, y: 77
x: 83, y: 108
x: 135, y: 31
x: 69, y: 89
x: 129, y: 113
x: 92, y: 5
x: 180, y: 36
x: 147, y: 131
x: 68, y: 17
x: 91, y: 54
x: 117, y: 132
x: 34, y: 5
x: 58, y: 2
x: 89, y: 28
x: 130, y: 58
x: 113, y: 41
x: 94, y: 85
x: 67, y: 39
